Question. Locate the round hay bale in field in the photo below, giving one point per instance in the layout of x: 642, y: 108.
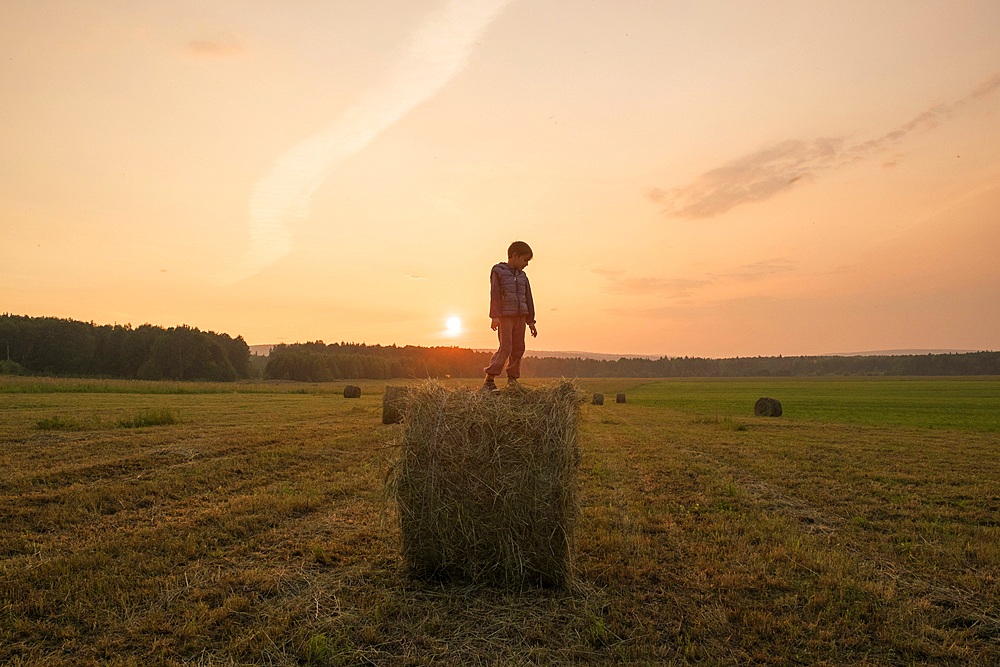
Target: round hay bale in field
x: 620, y: 398
x: 485, y: 485
x: 350, y: 391
x: 394, y: 404
x: 767, y: 407
x: 598, y: 399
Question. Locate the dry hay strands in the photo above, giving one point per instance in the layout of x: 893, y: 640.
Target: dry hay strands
x: 598, y: 399
x: 767, y: 407
x: 394, y: 404
x: 485, y: 485
x: 620, y: 398
x: 350, y: 391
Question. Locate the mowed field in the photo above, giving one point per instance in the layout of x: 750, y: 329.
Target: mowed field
x: 860, y: 528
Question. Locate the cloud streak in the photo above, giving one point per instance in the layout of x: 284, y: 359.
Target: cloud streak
x: 774, y: 169
x: 677, y: 288
x: 436, y: 52
x: 206, y: 48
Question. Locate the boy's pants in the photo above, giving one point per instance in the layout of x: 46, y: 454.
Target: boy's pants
x: 511, y: 335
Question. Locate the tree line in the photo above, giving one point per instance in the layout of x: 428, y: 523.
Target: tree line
x: 64, y: 347
x: 318, y: 362
x: 972, y: 363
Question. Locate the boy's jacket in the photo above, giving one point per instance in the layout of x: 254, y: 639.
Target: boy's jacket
x: 510, y: 293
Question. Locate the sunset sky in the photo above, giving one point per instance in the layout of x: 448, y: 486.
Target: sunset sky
x: 695, y: 177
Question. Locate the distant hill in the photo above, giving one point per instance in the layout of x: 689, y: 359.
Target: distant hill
x: 265, y: 350
x: 895, y: 353
x: 574, y: 354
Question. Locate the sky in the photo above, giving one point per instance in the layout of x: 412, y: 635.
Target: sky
x: 698, y: 178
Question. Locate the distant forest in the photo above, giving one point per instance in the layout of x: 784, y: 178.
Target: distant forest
x: 318, y: 362
x: 62, y: 347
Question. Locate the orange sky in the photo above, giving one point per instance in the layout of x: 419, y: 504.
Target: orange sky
x: 696, y: 178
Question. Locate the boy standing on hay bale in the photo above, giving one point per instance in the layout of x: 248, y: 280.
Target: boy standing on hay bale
x: 511, y: 310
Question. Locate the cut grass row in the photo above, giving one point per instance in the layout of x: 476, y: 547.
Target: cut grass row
x: 147, y: 417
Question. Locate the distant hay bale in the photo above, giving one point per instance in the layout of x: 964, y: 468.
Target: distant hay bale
x: 598, y: 399
x: 485, y: 485
x: 767, y: 407
x: 394, y: 404
x: 620, y: 398
x: 350, y: 391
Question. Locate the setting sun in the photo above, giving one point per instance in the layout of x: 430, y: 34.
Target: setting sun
x: 454, y: 326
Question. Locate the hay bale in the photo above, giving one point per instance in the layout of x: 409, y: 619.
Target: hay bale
x: 620, y: 398
x: 485, y: 485
x: 394, y: 404
x: 350, y: 391
x: 767, y: 407
x: 598, y: 399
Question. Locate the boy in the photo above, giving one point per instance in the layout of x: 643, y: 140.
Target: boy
x: 511, y: 310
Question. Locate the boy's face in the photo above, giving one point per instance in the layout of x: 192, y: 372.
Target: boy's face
x: 518, y: 261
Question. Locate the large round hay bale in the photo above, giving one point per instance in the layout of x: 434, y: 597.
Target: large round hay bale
x: 767, y: 407
x: 485, y: 485
x: 598, y: 399
x: 394, y: 404
x: 350, y: 391
x: 620, y: 398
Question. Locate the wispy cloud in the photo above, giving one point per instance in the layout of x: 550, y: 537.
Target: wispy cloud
x: 724, y: 309
x: 215, y: 48
x: 618, y: 285
x: 759, y: 270
x: 774, y: 169
x: 673, y: 287
x: 434, y: 54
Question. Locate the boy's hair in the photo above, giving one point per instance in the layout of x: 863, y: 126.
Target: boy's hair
x: 519, y: 248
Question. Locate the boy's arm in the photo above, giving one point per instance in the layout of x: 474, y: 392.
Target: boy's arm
x: 530, y: 319
x: 495, y: 297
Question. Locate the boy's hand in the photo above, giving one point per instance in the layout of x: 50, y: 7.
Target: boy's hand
x: 495, y: 323
x: 534, y: 331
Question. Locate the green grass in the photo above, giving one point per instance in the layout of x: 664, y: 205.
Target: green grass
x: 149, y: 417
x: 253, y: 533
x: 57, y: 423
x: 971, y: 404
x: 138, y: 419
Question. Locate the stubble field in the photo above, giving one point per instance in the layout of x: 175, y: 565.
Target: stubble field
x: 859, y: 528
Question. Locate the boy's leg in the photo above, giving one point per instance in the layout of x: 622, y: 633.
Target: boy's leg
x: 504, y: 333
x: 516, y: 347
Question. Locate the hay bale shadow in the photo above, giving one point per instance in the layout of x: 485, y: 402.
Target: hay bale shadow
x: 394, y: 404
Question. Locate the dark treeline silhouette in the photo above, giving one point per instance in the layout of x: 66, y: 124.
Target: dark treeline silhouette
x: 63, y: 347
x: 318, y: 362
x: 52, y: 346
x: 973, y: 363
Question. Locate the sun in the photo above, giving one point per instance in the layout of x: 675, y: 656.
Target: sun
x: 453, y: 326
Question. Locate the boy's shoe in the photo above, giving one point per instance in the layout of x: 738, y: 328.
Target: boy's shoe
x: 512, y: 383
x: 490, y: 386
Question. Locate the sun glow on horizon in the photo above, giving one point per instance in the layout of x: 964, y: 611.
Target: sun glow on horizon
x: 453, y: 326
